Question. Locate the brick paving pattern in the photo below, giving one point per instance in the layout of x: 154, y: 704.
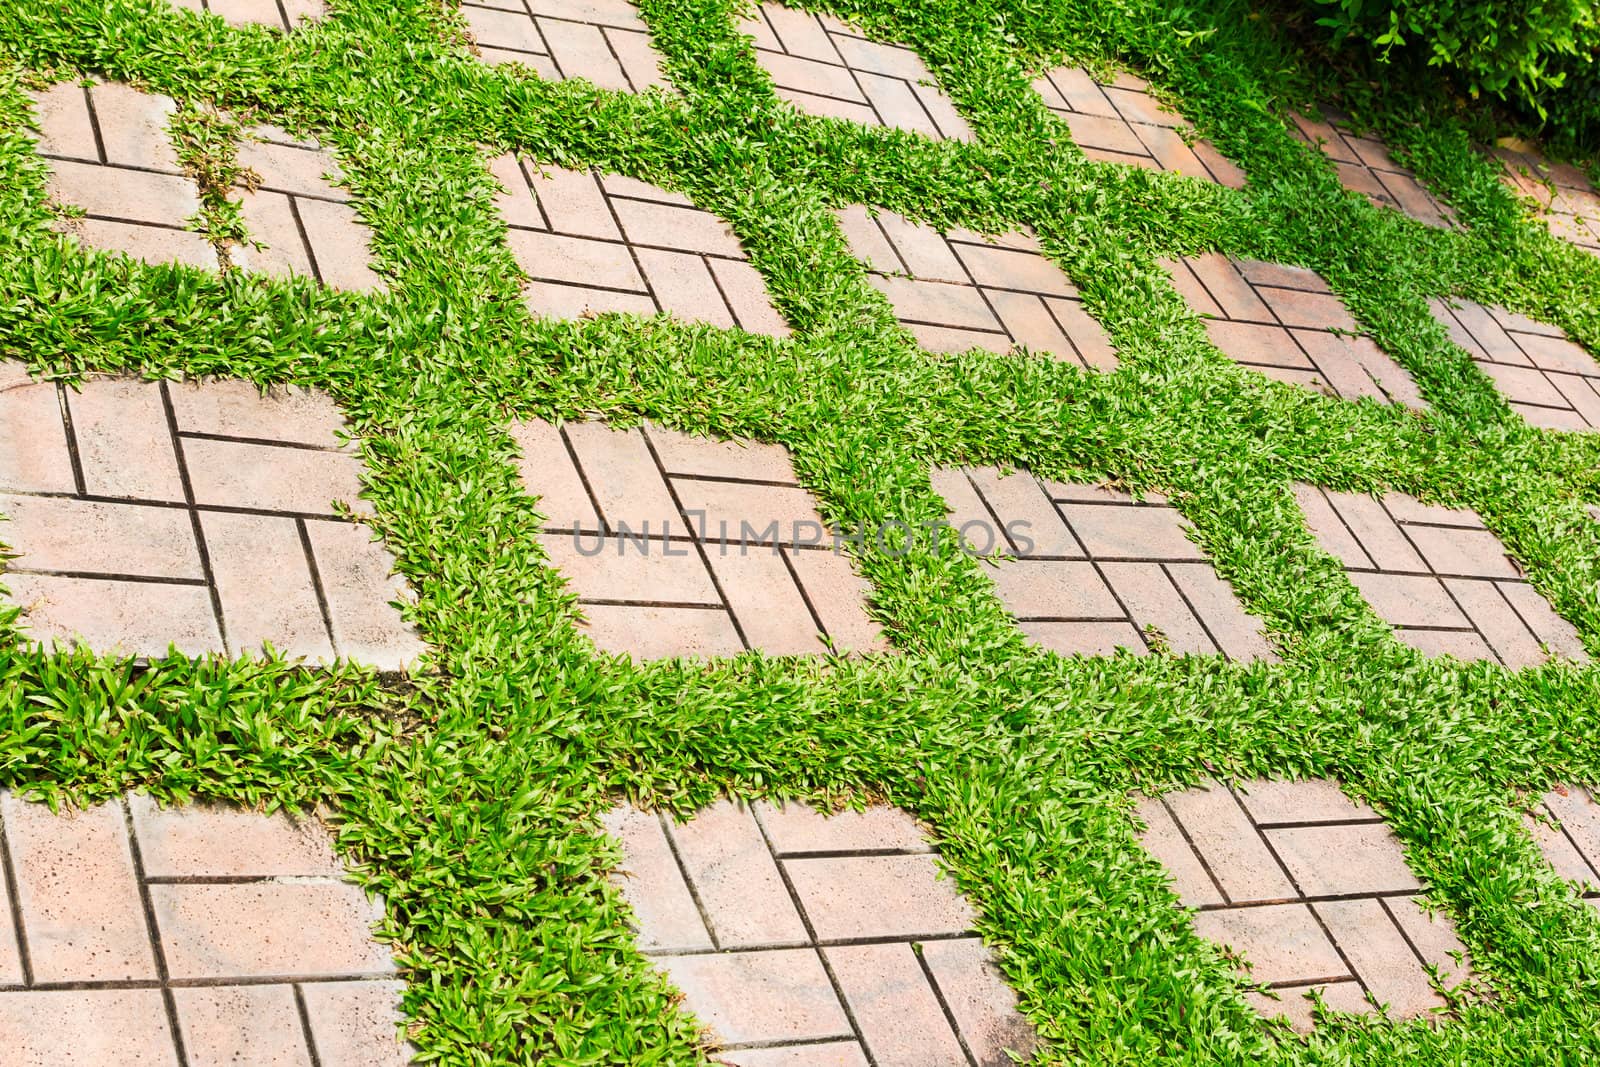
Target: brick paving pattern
x: 1309, y: 889
x: 800, y: 938
x: 1287, y: 324
x: 962, y: 290
x: 1568, y: 201
x: 202, y: 936
x: 595, y: 243
x: 1547, y: 379
x: 278, y: 14
x: 196, y: 515
x: 1093, y: 569
x: 1566, y: 827
x: 684, y: 546
x: 602, y: 41
x: 304, y: 223
x: 1364, y: 166
x: 825, y: 67
x: 1123, y: 122
x: 110, y: 155
x: 1439, y: 577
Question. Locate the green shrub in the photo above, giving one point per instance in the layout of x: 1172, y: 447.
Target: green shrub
x: 1539, y: 55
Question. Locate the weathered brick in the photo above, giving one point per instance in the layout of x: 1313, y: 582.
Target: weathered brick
x: 63, y: 534
x: 217, y: 840
x: 361, y: 587
x: 265, y: 585
x: 86, y: 1028
x: 1364, y: 166
x: 795, y: 828
x: 1343, y: 859
x: 755, y: 997
x: 898, y: 1013
x: 256, y: 1024
x: 980, y: 1001
x: 33, y: 439
x: 1382, y: 959
x: 652, y: 884
x: 123, y: 443
x: 660, y: 633
x: 1232, y: 849
x: 357, y: 1023
x: 264, y: 477
x: 736, y: 879
x: 127, y: 618
x: 1279, y: 942
x: 1164, y: 840
x: 877, y: 896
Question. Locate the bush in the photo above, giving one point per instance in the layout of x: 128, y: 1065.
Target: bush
x: 1538, y: 55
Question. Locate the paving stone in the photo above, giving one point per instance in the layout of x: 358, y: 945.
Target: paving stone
x: 897, y: 1011
x: 77, y: 893
x: 116, y: 563
x: 826, y: 67
x: 735, y: 879
x: 1548, y: 380
x: 1349, y: 925
x: 666, y: 256
x: 726, y: 553
x: 283, y: 15
x: 1364, y: 166
x: 227, y: 1025
x: 848, y: 897
x: 1439, y: 577
x: 86, y: 1028
x: 769, y: 996
x: 357, y: 1023
x: 236, y: 897
x: 866, y: 877
x: 1123, y: 122
x: 1142, y: 570
x: 1282, y: 322
x: 602, y: 41
x: 109, y: 153
x: 268, y: 929
x: 221, y: 841
x: 1568, y: 202
x: 298, y: 221
x: 962, y: 290
x: 1569, y: 836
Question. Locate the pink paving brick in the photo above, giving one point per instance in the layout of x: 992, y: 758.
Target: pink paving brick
x: 594, y: 243
x: 1548, y: 379
x: 825, y: 67
x: 253, y: 905
x: 961, y: 290
x: 1439, y: 576
x: 685, y: 546
x: 1123, y: 122
x: 1285, y: 323
x: 299, y: 222
x: 111, y: 158
x: 1565, y: 824
x: 1566, y: 198
x: 1309, y: 891
x: 199, y: 516
x: 879, y: 934
x: 1084, y: 574
x: 283, y: 15
x: 1364, y: 166
x: 602, y: 41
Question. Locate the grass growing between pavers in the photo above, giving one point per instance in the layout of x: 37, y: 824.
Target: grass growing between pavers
x: 470, y: 793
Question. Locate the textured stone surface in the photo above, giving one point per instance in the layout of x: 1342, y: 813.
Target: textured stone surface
x: 959, y: 290
x: 593, y: 243
x: 1566, y: 199
x: 110, y: 155
x: 686, y: 546
x: 1547, y: 379
x: 1286, y: 323
x: 299, y: 221
x: 1439, y: 577
x: 1086, y: 570
x: 1123, y: 122
x: 1309, y: 890
x: 602, y: 41
x: 195, y: 515
x: 773, y: 921
x: 1364, y: 166
x: 1566, y: 826
x: 276, y: 14
x: 251, y: 905
x: 826, y: 67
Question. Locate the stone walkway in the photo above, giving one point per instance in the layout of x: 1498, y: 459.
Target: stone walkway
x: 1364, y: 166
x: 1439, y: 577
x: 1287, y: 324
x: 276, y: 14
x: 1547, y: 379
x: 199, y: 936
x: 1087, y: 570
x: 1310, y: 891
x: 1563, y: 193
x: 602, y: 41
x: 196, y: 515
x: 801, y: 939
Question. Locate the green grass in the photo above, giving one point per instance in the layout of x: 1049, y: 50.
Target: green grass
x: 469, y: 796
